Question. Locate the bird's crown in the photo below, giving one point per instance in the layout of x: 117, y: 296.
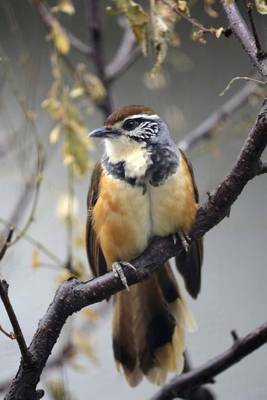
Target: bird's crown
x: 128, y: 111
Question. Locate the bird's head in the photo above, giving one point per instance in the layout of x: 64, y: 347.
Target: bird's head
x: 131, y: 125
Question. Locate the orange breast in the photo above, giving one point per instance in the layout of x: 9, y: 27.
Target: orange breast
x: 125, y: 218
x: 121, y: 219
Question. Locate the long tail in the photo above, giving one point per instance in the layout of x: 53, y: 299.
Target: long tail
x: 149, y: 325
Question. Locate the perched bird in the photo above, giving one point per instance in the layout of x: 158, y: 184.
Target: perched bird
x: 143, y: 187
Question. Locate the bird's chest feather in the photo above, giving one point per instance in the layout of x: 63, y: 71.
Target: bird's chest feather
x: 126, y: 216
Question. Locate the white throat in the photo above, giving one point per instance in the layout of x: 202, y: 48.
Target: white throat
x: 135, y: 156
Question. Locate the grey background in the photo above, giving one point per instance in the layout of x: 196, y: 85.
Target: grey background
x: 234, y: 273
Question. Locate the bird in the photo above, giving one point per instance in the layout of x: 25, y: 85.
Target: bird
x: 142, y: 187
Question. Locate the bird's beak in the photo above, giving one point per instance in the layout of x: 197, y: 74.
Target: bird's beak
x: 104, y: 132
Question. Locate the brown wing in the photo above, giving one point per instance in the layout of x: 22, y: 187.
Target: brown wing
x: 189, y: 264
x: 95, y: 256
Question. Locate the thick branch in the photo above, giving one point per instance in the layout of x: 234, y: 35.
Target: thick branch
x: 206, y: 129
x: 186, y: 383
x: 74, y: 295
x: 240, y: 29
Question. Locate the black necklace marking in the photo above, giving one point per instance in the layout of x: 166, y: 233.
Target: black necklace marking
x: 164, y: 163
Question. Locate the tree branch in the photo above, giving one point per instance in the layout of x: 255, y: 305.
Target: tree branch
x: 95, y: 31
x: 207, y: 129
x: 241, y: 31
x: 127, y: 53
x: 186, y: 383
x: 73, y: 295
x: 9, y: 309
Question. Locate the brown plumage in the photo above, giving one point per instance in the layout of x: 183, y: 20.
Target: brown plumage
x: 150, y: 320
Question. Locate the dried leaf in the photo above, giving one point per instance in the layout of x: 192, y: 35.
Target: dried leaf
x: 67, y: 207
x: 59, y: 38
x: 137, y: 18
x: 208, y: 6
x: 90, y: 314
x: 261, y: 6
x: 65, y: 6
x: 83, y: 342
x: 219, y: 32
x: 36, y: 261
x: 54, y: 134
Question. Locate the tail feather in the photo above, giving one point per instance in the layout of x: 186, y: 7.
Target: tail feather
x: 149, y: 328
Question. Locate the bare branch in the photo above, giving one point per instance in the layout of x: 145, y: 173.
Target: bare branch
x: 196, y: 24
x: 240, y: 29
x: 10, y: 335
x: 127, y: 53
x: 95, y: 31
x: 73, y: 295
x: 49, y: 21
x: 26, y: 359
x: 207, y: 129
x: 183, y: 385
x: 250, y: 6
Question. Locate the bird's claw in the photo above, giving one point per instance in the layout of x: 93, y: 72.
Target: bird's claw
x: 184, y: 238
x: 117, y: 268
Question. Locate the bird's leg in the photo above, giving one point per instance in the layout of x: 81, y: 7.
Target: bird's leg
x: 184, y: 238
x: 117, y: 268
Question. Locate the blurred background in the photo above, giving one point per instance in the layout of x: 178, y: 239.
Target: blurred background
x: 53, y: 209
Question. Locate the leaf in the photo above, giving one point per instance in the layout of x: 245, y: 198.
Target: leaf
x: 59, y: 38
x: 137, y: 18
x: 90, y: 314
x: 261, y: 6
x: 218, y: 32
x: 83, y: 342
x: 54, y: 134
x: 65, y: 6
x: 36, y: 261
x: 208, y: 6
x: 67, y: 207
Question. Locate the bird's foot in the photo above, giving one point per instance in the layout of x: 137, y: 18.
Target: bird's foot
x: 184, y: 238
x: 117, y: 268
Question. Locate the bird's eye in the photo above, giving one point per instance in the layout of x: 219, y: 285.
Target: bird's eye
x: 130, y: 124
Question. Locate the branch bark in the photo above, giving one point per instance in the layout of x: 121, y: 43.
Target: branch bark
x: 206, y: 130
x: 73, y: 295
x: 95, y: 31
x: 186, y: 383
x: 241, y: 31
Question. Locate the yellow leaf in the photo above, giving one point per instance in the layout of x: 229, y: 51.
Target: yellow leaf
x: 54, y: 134
x: 60, y: 38
x: 65, y: 6
x: 67, y: 207
x: 36, y: 262
x: 218, y: 32
x: 261, y: 6
x: 183, y: 6
x: 76, y: 92
x: 63, y: 276
x: 83, y: 342
x: 90, y: 314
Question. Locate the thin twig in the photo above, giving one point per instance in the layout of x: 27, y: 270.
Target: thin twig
x: 9, y: 309
x: 192, y: 21
x: 207, y: 129
x: 26, y: 357
x: 240, y: 29
x: 260, y: 52
x: 10, y: 335
x: 40, y: 246
x: 183, y: 385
